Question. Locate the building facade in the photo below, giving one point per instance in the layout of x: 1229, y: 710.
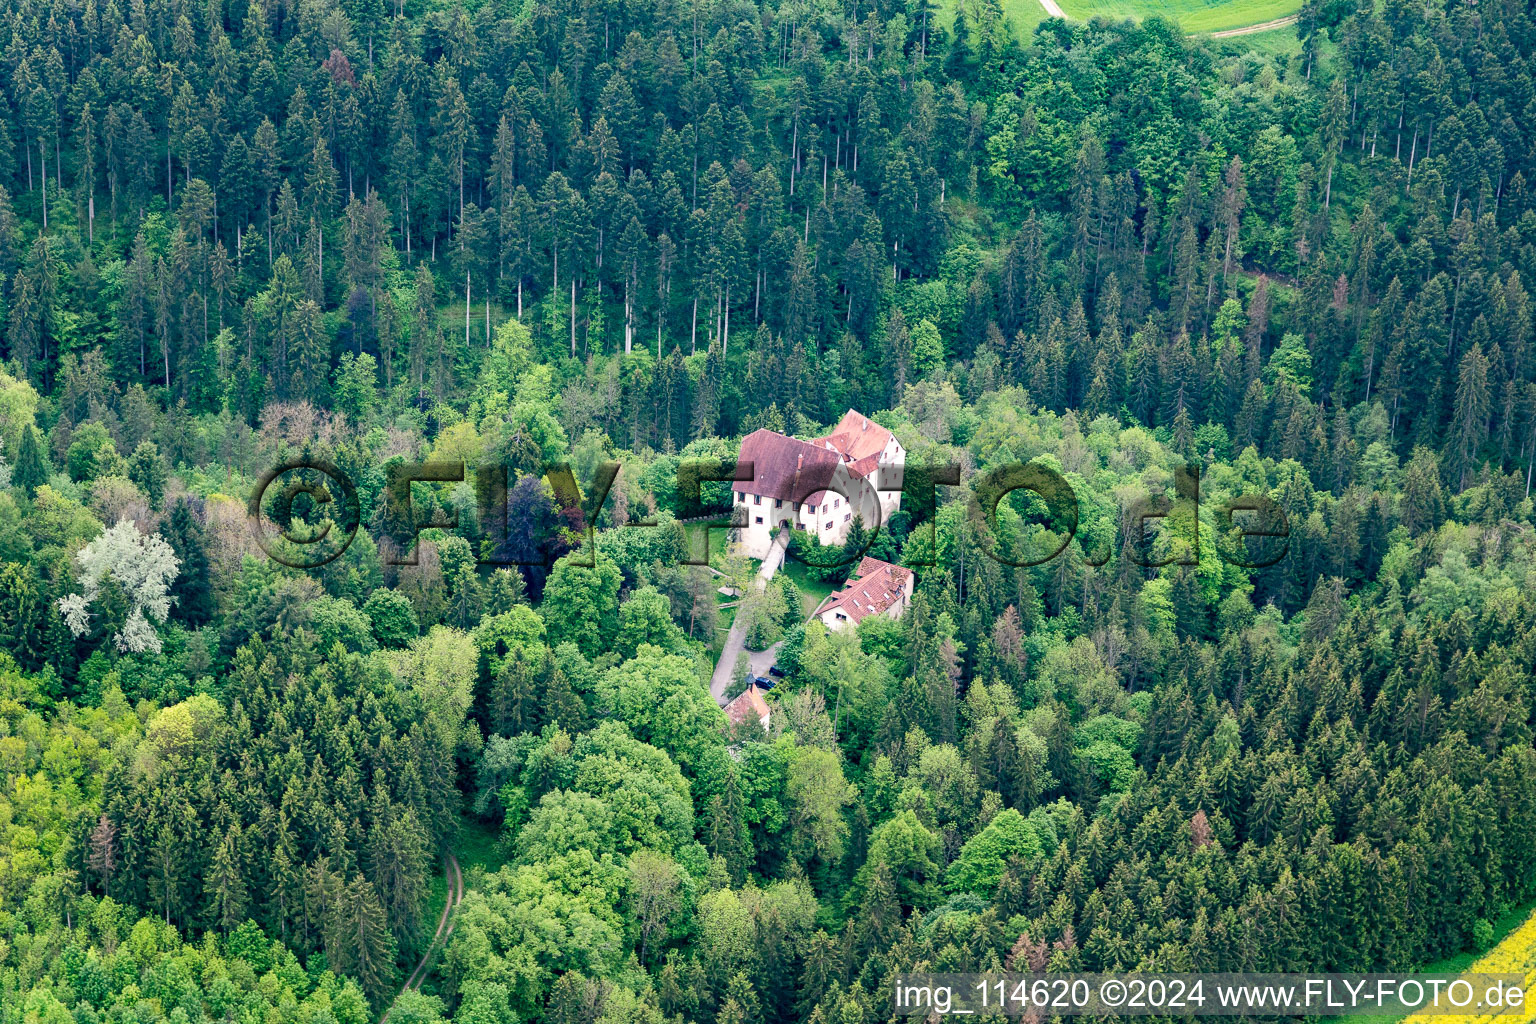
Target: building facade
x: 874, y: 588
x: 820, y: 485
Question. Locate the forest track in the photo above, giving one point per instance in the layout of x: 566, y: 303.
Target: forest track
x: 455, y: 878
x: 1263, y: 26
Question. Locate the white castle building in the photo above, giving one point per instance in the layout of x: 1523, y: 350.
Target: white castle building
x: 818, y: 486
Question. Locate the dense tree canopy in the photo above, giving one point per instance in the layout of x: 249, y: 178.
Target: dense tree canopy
x: 522, y: 242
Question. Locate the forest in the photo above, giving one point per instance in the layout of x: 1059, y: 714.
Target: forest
x: 428, y: 782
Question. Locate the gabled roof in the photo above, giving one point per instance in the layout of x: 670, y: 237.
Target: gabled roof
x: 786, y: 468
x: 793, y: 470
x: 872, y: 589
x: 869, y: 566
x: 857, y: 436
x: 749, y: 704
x: 862, y: 468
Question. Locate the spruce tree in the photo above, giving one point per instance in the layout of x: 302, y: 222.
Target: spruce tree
x: 23, y: 611
x: 225, y: 885
x: 147, y: 470
x: 397, y: 863
x: 1469, y: 420
x: 31, y: 470
x: 725, y: 832
x: 363, y: 946
x: 514, y: 693
x: 286, y: 899
x: 103, y: 858
x: 561, y: 704
x: 192, y: 591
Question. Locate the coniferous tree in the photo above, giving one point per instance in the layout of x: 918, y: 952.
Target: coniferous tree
x: 192, y: 591
x: 225, y: 886
x: 31, y: 470
x: 359, y: 942
x: 397, y: 861
x: 104, y: 852
x: 1469, y: 418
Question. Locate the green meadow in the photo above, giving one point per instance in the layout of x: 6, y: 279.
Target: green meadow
x: 1193, y: 15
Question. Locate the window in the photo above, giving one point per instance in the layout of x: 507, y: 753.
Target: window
x: 797, y: 506
x: 827, y: 526
x: 757, y: 499
x: 740, y: 497
x: 837, y: 502
x: 778, y: 502
x: 759, y: 520
x: 847, y: 517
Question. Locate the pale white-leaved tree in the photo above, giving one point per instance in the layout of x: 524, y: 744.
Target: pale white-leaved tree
x: 143, y: 567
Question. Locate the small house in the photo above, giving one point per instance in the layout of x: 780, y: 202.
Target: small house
x: 874, y: 588
x: 749, y: 704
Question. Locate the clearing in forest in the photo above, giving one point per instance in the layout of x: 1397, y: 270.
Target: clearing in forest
x: 1192, y: 15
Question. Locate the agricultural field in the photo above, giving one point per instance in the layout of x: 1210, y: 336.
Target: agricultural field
x: 1275, y: 42
x: 1516, y: 954
x: 1193, y: 15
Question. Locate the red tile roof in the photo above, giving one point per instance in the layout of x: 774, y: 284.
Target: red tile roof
x: 786, y: 468
x: 872, y: 589
x: 749, y: 704
x: 861, y: 468
x: 869, y: 566
x: 793, y: 470
x: 857, y: 436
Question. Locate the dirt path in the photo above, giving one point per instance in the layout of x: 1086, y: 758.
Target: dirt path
x: 735, y: 640
x: 1248, y: 30
x: 455, y: 878
x: 1053, y: 9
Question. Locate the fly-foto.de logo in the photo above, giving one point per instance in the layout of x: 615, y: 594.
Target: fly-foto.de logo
x: 306, y: 512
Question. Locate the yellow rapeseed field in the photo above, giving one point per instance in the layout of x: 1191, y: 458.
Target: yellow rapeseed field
x: 1516, y: 954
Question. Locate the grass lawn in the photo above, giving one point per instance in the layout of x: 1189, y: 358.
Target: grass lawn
x: 1192, y: 15
x: 1023, y: 15
x: 476, y: 846
x: 437, y: 894
x: 811, y: 591
x: 1278, y: 42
